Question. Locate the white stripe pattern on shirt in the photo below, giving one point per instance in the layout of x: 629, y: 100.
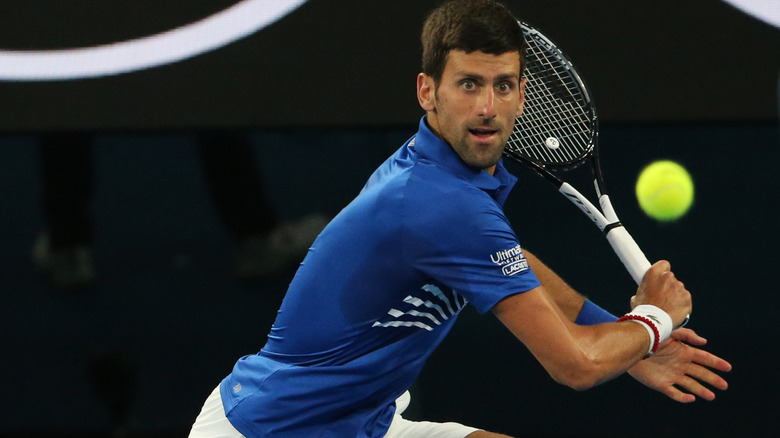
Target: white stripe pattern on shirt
x: 435, y: 299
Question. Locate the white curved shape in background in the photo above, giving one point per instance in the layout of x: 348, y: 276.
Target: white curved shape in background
x: 238, y: 21
x: 767, y: 11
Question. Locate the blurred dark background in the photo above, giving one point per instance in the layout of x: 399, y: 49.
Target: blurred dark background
x: 324, y: 96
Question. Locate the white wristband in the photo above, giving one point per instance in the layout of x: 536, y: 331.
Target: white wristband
x: 662, y: 319
x: 657, y: 323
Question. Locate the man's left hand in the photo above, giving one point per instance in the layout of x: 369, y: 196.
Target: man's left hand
x: 678, y: 366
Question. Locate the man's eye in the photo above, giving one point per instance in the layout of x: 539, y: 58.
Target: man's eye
x: 504, y: 87
x: 469, y: 85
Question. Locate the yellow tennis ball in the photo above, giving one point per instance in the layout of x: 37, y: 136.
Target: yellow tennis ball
x: 664, y: 190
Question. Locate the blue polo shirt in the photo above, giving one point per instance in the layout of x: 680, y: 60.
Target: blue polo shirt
x: 378, y: 291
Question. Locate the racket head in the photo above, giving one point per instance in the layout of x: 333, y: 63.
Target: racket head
x: 558, y: 128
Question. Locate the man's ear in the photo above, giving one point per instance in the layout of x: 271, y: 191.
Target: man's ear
x: 426, y: 92
x: 523, y: 81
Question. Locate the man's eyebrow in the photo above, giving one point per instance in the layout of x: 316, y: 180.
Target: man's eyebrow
x: 466, y: 74
x: 508, y: 76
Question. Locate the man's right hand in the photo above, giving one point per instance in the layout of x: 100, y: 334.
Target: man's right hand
x: 662, y: 289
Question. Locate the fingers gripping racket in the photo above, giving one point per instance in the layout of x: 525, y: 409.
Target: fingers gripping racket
x: 558, y: 131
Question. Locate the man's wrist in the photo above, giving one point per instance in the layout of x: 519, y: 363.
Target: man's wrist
x: 657, y: 323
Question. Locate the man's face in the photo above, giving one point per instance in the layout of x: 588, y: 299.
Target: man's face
x: 476, y: 102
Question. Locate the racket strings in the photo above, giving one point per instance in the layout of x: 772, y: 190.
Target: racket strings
x: 556, y: 126
x: 561, y: 103
x: 552, y: 114
x: 544, y: 125
x: 564, y: 114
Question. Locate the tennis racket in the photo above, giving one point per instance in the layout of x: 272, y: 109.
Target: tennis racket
x: 558, y: 131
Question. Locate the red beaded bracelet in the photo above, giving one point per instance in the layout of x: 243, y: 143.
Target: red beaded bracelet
x: 650, y: 324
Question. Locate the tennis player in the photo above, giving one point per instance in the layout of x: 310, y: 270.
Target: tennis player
x: 385, y: 281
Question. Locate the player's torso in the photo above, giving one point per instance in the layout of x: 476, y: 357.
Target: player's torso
x: 360, y: 287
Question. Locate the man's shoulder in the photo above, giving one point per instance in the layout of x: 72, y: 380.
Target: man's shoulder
x: 429, y: 180
x: 415, y: 182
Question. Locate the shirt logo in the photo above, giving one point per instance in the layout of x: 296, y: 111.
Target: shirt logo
x: 512, y: 261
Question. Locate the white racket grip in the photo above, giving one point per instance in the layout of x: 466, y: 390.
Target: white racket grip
x: 629, y: 253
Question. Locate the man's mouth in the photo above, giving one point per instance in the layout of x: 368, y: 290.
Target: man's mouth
x: 483, y: 132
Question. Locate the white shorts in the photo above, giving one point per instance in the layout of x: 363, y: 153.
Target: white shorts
x: 403, y: 428
x: 212, y: 423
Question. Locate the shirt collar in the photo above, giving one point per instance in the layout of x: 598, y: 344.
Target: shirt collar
x: 429, y: 146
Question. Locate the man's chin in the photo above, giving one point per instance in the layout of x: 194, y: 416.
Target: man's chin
x: 482, y: 163
x: 490, y: 153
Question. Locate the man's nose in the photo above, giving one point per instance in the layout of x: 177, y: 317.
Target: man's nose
x: 486, y: 105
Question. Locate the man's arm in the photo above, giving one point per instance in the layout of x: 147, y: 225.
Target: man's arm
x: 584, y: 356
x: 568, y: 300
x: 677, y: 364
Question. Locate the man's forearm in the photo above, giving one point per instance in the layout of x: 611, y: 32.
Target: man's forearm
x: 569, y: 300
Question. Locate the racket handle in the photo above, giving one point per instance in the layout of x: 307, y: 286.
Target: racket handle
x: 629, y: 253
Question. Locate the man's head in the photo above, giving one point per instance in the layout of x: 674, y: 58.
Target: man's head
x: 468, y: 25
x: 471, y: 85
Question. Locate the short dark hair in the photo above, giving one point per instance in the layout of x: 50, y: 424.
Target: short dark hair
x: 469, y: 25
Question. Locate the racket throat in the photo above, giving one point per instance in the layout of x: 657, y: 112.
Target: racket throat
x: 585, y: 205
